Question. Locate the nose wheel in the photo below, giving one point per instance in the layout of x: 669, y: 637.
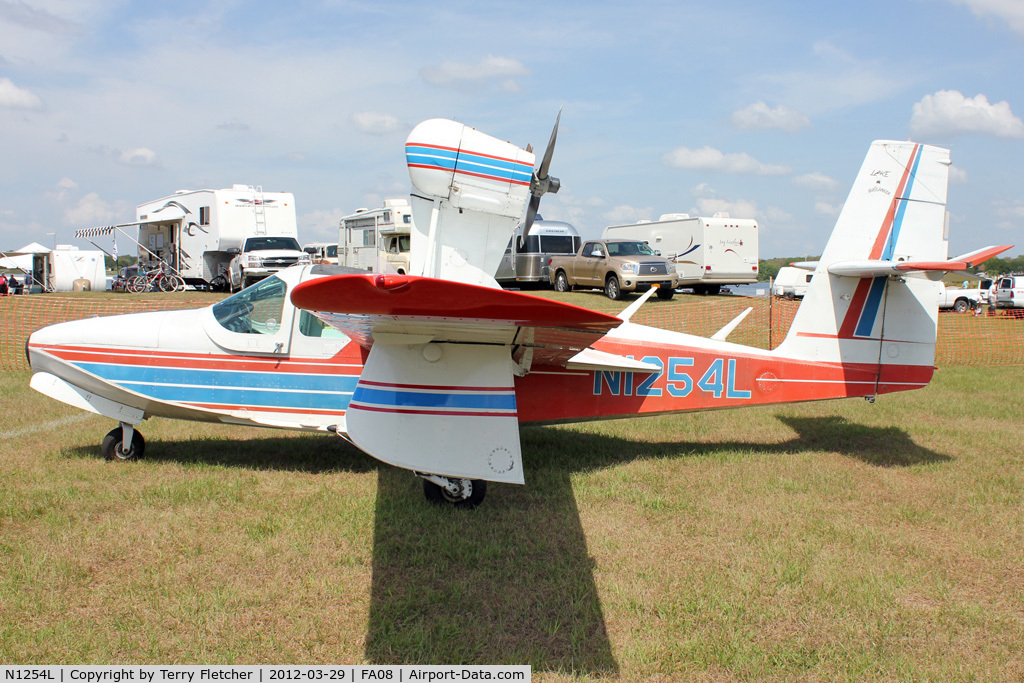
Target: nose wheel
x: 113, y: 446
x: 460, y: 493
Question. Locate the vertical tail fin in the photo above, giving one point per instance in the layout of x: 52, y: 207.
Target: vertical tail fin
x: 864, y: 305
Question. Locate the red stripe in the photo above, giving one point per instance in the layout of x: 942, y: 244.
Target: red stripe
x: 204, y: 362
x: 468, y: 151
x: 883, y: 232
x: 476, y: 175
x: 409, y: 411
x: 264, y: 409
x: 855, y: 309
x: 364, y: 382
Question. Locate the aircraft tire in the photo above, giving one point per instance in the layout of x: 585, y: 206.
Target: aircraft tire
x: 111, y: 446
x: 438, y: 495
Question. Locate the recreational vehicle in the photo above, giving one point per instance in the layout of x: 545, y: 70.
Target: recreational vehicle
x: 708, y: 252
x: 526, y: 258
x: 792, y: 282
x: 202, y: 234
x: 377, y: 239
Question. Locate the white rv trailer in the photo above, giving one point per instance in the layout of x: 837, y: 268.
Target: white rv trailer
x: 377, y: 239
x: 708, y: 252
x: 792, y: 282
x: 198, y: 232
x: 526, y: 258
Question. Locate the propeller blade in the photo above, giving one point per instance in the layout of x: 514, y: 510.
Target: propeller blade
x: 545, y: 163
x: 531, y: 214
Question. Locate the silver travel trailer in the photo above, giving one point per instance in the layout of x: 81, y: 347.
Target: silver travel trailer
x: 526, y: 258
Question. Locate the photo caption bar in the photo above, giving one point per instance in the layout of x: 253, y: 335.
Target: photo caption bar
x: 391, y: 673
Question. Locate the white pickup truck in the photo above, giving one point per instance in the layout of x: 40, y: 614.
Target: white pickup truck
x: 962, y: 299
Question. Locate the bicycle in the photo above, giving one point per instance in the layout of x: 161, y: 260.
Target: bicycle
x: 156, y: 279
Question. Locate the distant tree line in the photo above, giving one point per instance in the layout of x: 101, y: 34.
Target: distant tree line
x: 995, y: 267
x: 122, y: 261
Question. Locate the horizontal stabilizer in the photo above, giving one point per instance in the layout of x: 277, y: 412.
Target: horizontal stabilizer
x: 731, y: 325
x: 876, y: 268
x: 592, y: 359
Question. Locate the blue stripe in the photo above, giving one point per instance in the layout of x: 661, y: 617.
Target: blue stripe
x: 870, y: 312
x: 897, y: 223
x: 221, y: 378
x: 413, y: 399
x: 241, y: 397
x: 468, y: 162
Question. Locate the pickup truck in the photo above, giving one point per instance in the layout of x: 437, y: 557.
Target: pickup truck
x: 962, y: 299
x: 617, y: 266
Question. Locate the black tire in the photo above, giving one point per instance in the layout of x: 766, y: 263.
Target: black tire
x: 612, y: 289
x: 714, y: 290
x: 961, y: 305
x: 562, y: 282
x: 111, y: 446
x: 438, y: 495
x: 664, y: 293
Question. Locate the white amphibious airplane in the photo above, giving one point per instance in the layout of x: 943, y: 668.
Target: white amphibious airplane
x: 435, y: 372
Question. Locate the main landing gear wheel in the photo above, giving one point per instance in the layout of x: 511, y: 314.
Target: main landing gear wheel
x: 111, y: 446
x: 461, y: 493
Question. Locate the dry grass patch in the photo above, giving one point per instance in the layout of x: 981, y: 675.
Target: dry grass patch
x: 825, y: 541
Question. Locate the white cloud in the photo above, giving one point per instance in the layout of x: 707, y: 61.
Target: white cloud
x: 957, y: 175
x: 760, y: 115
x: 948, y: 113
x: 64, y: 188
x: 321, y: 225
x: 826, y: 209
x: 374, y: 123
x: 1009, y: 209
x: 1009, y: 11
x: 818, y: 182
x: 708, y: 203
x: 490, y: 67
x: 138, y: 156
x: 622, y: 214
x: 711, y: 159
x: 90, y: 210
x: 22, y: 15
x: 234, y: 125
x: 13, y: 97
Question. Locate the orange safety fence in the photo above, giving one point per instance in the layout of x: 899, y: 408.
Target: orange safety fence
x: 963, y: 339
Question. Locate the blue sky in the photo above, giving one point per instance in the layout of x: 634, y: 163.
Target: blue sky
x: 764, y: 110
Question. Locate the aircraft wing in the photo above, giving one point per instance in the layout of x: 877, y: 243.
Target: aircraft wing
x: 437, y: 392
x: 402, y: 309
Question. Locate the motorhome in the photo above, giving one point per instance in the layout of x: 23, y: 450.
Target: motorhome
x: 377, y: 239
x: 708, y: 252
x: 200, y: 233
x: 526, y: 257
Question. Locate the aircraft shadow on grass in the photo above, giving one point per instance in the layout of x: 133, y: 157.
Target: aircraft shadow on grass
x: 512, y: 582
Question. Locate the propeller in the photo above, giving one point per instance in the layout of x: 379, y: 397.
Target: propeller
x: 541, y: 183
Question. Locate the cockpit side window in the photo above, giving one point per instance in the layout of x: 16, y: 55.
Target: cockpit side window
x: 256, y: 310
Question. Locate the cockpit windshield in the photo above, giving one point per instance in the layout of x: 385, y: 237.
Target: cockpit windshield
x: 255, y: 310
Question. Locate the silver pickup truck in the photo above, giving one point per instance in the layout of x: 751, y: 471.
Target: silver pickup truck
x: 617, y: 266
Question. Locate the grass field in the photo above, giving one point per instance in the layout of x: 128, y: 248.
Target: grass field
x: 826, y: 541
